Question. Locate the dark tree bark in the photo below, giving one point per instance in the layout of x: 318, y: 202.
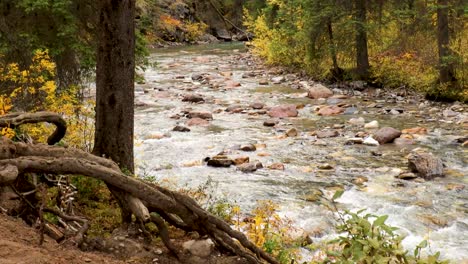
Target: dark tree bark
x: 115, y: 81
x: 362, y: 58
x: 115, y: 70
x: 446, y: 67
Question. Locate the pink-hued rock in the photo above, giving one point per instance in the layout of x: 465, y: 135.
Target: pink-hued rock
x: 319, y: 91
x: 330, y: 110
x: 197, y: 122
x: 283, y: 111
x: 386, y: 135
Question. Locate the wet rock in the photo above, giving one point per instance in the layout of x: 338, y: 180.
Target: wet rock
x: 263, y: 82
x: 257, y: 105
x: 248, y: 147
x: 202, y: 115
x: 278, y: 79
x: 357, y: 121
x: 455, y: 187
x: 179, y: 128
x: 358, y: 85
x: 465, y: 144
x: 241, y: 160
x: 219, y: 161
x: 372, y: 125
x: 197, y: 122
x: 292, y: 132
x: 356, y: 140
x: 415, y: 130
x: 234, y: 109
x: 406, y: 176
x: 394, y: 112
x: 325, y: 166
x: 449, y: 113
x: 325, y: 133
x: 313, y: 195
x: 258, y: 164
x: 283, y: 111
x: 232, y: 84
x: 402, y: 141
x: 200, y: 248
x: 248, y: 167
x: 426, y: 165
x: 369, y: 141
x: 360, y: 180
x: 319, y: 91
x: 350, y: 110
x: 330, y: 110
x: 270, y: 122
x: 386, y: 135
x: 193, y: 98
x: 276, y: 166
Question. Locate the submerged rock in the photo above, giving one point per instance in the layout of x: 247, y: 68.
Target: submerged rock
x: 248, y: 167
x: 276, y: 166
x: 220, y: 161
x: 197, y: 122
x: 248, y: 147
x: 270, y: 122
x: 202, y: 115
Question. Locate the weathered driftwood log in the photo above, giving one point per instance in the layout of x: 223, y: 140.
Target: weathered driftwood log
x: 14, y: 120
x: 426, y: 165
x: 172, y: 206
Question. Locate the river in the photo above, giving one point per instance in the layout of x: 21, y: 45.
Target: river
x: 436, y: 210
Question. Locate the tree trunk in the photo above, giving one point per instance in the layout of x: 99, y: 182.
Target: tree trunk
x: 115, y: 82
x: 362, y: 58
x: 446, y: 67
x: 115, y: 71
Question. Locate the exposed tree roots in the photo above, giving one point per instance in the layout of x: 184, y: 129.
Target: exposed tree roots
x: 148, y: 202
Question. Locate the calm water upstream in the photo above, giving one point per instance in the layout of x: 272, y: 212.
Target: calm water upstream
x: 436, y: 210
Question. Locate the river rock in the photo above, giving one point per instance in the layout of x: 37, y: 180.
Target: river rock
x: 193, y: 98
x: 425, y: 164
x: 241, y: 160
x: 369, y: 141
x: 248, y: 147
x: 372, y: 125
x: 220, y: 161
x: 202, y: 115
x: 415, y: 130
x: 357, y: 121
x: 386, y: 135
x: 330, y: 110
x: 319, y: 91
x: 292, y: 132
x: 355, y: 140
x: 449, y: 113
x: 278, y: 79
x: 270, y: 122
x: 406, y: 176
x: 325, y: 166
x: 200, y: 248
x: 263, y: 82
x: 231, y: 84
x: 325, y: 133
x: 180, y: 128
x: 276, y: 166
x: 197, y: 122
x: 360, y: 180
x: 283, y: 111
x: 234, y: 109
x: 248, y: 167
x: 257, y: 105
x: 402, y: 141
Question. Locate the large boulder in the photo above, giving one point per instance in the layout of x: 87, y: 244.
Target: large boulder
x: 426, y: 165
x: 319, y: 91
x: 386, y: 135
x: 283, y: 111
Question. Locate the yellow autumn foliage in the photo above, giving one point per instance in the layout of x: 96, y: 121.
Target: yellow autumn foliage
x: 33, y: 89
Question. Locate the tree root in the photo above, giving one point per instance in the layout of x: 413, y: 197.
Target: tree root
x: 177, y: 209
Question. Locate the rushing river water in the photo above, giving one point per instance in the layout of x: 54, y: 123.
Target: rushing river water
x: 436, y: 210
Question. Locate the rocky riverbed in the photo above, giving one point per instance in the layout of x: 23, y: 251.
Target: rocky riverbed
x: 214, y: 112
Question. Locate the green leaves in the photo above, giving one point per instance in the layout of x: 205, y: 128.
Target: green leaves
x: 380, y: 221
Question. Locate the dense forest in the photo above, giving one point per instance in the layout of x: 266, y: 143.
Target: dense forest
x: 75, y: 74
